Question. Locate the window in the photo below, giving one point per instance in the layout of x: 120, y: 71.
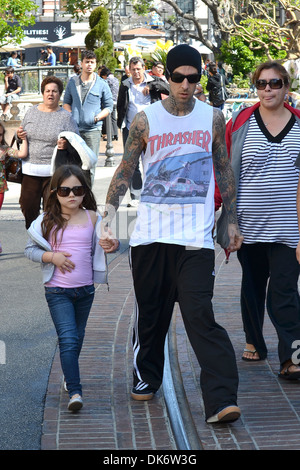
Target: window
x: 187, y: 6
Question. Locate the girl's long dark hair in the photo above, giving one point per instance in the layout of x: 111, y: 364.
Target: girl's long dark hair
x: 3, y: 141
x: 53, y: 218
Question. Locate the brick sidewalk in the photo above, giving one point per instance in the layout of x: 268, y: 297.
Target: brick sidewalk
x: 110, y: 419
x: 270, y: 406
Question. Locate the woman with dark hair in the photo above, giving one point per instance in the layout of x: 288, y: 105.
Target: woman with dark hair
x: 65, y: 240
x: 42, y: 124
x: 263, y: 143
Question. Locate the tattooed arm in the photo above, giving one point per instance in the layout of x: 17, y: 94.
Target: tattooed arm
x: 298, y: 213
x: 225, y: 179
x: 135, y: 144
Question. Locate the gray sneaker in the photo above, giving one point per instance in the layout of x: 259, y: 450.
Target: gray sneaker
x: 75, y: 403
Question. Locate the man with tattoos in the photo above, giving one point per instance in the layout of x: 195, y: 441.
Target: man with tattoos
x: 171, y: 247
x: 137, y: 92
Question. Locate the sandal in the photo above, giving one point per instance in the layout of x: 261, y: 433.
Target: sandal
x: 251, y: 351
x: 287, y: 375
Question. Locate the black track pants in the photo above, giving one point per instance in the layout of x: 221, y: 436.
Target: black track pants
x: 162, y: 275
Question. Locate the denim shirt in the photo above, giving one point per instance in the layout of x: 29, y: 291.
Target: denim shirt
x: 98, y: 98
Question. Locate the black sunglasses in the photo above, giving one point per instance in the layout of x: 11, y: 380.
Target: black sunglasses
x: 64, y: 191
x: 274, y: 84
x: 177, y: 77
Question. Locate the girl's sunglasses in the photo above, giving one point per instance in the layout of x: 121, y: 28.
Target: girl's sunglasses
x: 64, y: 191
x: 179, y: 77
x: 274, y: 84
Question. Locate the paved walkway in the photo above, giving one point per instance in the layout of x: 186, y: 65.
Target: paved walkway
x: 111, y: 420
x: 270, y: 406
x: 108, y: 420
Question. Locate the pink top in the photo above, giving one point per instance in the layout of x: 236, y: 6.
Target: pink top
x: 77, y: 240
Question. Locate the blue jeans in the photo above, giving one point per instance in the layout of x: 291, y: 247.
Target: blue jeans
x: 69, y: 309
x: 92, y: 140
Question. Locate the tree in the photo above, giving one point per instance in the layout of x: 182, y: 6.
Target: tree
x: 14, y: 15
x: 253, y: 20
x: 221, y: 13
x: 278, y: 21
x: 99, y: 39
x: 244, y: 60
x: 259, y: 18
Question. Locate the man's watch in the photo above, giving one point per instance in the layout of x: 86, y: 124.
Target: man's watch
x: 97, y: 119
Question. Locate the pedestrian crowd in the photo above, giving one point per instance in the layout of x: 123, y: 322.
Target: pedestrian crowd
x: 193, y: 164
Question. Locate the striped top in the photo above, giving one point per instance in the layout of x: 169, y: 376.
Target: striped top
x: 266, y: 202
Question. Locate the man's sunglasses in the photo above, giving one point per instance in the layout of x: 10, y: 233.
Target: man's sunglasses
x: 179, y: 77
x: 64, y: 191
x: 274, y: 84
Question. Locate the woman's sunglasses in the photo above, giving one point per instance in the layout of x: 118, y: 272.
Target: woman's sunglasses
x: 274, y: 84
x: 179, y: 77
x: 64, y: 191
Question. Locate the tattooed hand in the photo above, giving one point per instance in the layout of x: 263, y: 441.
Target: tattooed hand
x: 135, y: 144
x: 223, y: 170
x: 225, y: 178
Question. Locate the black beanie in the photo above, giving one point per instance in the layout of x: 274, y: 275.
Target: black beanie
x: 183, y: 54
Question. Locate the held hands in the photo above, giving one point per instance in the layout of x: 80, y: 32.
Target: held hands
x: 235, y: 238
x: 107, y: 242
x: 62, y: 261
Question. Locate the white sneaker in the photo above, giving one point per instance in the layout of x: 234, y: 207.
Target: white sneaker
x: 75, y: 403
x: 227, y: 415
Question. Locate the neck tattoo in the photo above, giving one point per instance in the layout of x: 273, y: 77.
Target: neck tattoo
x: 172, y: 107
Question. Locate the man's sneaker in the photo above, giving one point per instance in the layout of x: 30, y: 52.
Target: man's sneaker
x: 142, y: 391
x: 75, y: 403
x: 226, y: 415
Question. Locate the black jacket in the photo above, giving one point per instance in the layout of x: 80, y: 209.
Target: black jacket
x: 157, y: 86
x: 214, y: 84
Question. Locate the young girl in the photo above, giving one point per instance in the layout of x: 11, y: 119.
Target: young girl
x: 65, y: 239
x: 5, y: 153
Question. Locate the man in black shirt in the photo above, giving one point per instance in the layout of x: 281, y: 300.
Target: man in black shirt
x: 13, y: 86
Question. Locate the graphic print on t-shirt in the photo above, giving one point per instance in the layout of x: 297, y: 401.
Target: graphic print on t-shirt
x: 180, y: 178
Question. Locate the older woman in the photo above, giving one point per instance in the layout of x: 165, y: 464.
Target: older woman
x: 263, y: 144
x: 42, y: 124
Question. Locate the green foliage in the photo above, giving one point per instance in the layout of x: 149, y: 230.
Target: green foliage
x: 159, y: 54
x: 203, y: 82
x: 240, y: 81
x: 243, y: 57
x: 76, y: 7
x: 99, y: 39
x: 141, y: 7
x: 237, y: 54
x: 19, y: 14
